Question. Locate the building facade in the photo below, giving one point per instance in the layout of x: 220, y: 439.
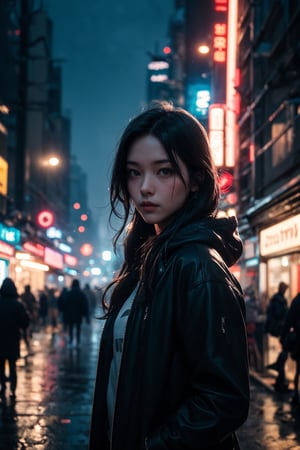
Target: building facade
x: 35, y: 189
x: 269, y: 148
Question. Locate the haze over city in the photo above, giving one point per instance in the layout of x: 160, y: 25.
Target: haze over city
x: 104, y: 53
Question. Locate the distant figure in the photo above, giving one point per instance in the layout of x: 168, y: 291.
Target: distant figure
x: 31, y: 307
x: 76, y: 307
x: 43, y: 308
x: 252, y: 316
x: 53, y: 308
x: 13, y: 318
x: 293, y: 323
x: 276, y: 315
x: 252, y: 305
x: 91, y: 298
x: 61, y: 302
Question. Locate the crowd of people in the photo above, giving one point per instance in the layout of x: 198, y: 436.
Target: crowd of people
x: 279, y: 320
x: 22, y: 314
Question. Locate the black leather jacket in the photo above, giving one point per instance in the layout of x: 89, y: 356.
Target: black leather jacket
x: 183, y: 380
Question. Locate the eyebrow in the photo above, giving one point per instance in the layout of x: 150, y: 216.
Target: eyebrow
x: 159, y: 161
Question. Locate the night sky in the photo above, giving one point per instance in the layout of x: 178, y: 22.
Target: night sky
x: 104, y: 47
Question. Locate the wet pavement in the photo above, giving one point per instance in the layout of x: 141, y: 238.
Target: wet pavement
x: 273, y: 422
x: 54, y: 397
x: 54, y: 393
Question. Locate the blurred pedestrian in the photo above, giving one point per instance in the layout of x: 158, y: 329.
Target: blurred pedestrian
x: 53, y: 308
x: 292, y: 325
x: 91, y: 298
x: 13, y: 319
x: 61, y: 302
x: 76, y: 308
x: 173, y: 366
x: 252, y: 317
x: 275, y: 318
x: 31, y: 306
x: 43, y: 308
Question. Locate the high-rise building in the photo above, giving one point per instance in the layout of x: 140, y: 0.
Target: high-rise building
x: 34, y: 145
x: 269, y: 154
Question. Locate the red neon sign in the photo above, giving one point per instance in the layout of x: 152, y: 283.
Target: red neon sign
x: 34, y: 249
x: 53, y: 258
x: 221, y: 5
x: 220, y: 42
x: 45, y: 219
x: 70, y: 260
x: 6, y: 249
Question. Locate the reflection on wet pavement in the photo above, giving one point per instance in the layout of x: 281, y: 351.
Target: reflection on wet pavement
x: 273, y: 423
x: 54, y: 393
x: 55, y: 390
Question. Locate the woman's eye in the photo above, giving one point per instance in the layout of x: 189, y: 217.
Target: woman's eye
x: 132, y: 173
x: 165, y: 171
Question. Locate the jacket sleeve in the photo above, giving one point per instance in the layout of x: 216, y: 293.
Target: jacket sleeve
x: 213, y: 348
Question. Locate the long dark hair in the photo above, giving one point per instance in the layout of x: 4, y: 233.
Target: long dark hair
x: 182, y: 136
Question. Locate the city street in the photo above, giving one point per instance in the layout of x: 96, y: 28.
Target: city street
x: 54, y: 394
x: 55, y: 389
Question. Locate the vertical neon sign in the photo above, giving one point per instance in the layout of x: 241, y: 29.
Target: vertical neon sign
x: 217, y: 111
x: 230, y: 129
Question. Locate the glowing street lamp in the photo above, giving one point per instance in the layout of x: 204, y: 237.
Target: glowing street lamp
x: 203, y: 49
x: 53, y: 161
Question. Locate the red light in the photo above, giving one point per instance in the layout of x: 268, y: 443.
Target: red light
x: 76, y: 205
x: 225, y: 181
x: 83, y: 217
x: 231, y: 198
x: 45, y: 219
x: 251, y: 153
x: 86, y: 249
x: 221, y: 5
x: 81, y: 229
x: 167, y: 50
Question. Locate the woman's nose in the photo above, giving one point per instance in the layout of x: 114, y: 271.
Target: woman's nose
x: 147, y: 186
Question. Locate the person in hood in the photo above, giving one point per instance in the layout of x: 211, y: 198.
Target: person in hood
x: 75, y: 309
x: 13, y: 320
x: 173, y: 366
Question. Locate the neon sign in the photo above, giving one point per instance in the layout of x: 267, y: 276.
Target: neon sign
x: 45, y: 219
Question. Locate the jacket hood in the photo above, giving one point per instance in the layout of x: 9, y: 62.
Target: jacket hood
x: 8, y: 288
x: 218, y: 233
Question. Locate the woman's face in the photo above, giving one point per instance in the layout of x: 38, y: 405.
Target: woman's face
x: 154, y: 187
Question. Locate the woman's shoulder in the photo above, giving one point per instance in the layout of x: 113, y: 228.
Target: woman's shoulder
x: 198, y: 253
x: 199, y: 262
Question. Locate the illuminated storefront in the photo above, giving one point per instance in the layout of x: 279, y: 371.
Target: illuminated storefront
x: 28, y: 267
x: 280, y: 261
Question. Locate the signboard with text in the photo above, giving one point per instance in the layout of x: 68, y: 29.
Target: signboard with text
x: 283, y: 236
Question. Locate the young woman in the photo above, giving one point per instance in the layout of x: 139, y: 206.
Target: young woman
x: 172, y: 368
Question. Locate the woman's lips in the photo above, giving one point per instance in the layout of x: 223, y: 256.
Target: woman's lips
x: 148, y: 206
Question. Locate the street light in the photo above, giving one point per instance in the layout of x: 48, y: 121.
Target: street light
x: 51, y: 161
x: 203, y: 49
